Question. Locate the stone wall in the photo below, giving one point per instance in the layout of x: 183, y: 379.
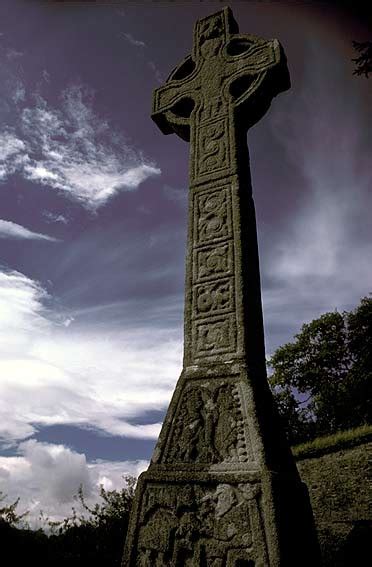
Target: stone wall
x: 340, y: 488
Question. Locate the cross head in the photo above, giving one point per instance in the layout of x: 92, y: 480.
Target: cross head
x: 226, y: 84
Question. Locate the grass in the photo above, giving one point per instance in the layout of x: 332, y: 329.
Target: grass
x: 331, y: 443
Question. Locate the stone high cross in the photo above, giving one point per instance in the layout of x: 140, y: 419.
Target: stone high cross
x: 222, y: 489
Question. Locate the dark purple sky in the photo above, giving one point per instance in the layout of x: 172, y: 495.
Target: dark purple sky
x: 93, y: 220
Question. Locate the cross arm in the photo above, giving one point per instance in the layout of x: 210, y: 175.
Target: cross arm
x: 256, y: 71
x: 174, y: 102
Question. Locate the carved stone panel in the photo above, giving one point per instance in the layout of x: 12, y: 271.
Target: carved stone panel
x: 213, y: 147
x: 213, y: 262
x: 189, y: 525
x: 213, y: 108
x: 215, y: 336
x: 208, y: 426
x: 212, y: 216
x: 212, y: 298
x: 210, y: 28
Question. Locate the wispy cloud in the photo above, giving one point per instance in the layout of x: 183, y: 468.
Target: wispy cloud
x: 46, y: 76
x: 321, y: 261
x: 19, y: 93
x: 9, y: 229
x: 157, y: 73
x: 133, y: 41
x: 43, y: 360
x: 72, y: 150
x: 13, y: 53
x: 177, y: 195
x: 141, y: 44
x: 12, y: 153
x: 47, y: 476
x: 55, y: 217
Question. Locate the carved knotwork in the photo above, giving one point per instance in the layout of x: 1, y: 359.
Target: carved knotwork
x: 212, y: 216
x: 213, y: 337
x: 213, y: 262
x: 213, y: 147
x: 213, y: 298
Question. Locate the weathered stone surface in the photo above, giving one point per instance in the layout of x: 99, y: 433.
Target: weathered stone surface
x: 340, y: 484
x: 222, y: 488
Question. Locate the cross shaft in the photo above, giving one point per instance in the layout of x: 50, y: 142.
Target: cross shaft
x: 211, y: 99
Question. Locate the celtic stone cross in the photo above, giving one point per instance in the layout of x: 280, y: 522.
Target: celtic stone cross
x: 222, y: 489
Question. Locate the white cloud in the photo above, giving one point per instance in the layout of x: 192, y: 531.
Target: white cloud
x: 55, y: 217
x: 47, y: 476
x: 13, y: 53
x: 156, y: 71
x: 59, y: 469
x: 142, y: 45
x: 72, y: 150
x: 46, y: 76
x: 177, y: 195
x: 19, y: 93
x: 21, y: 307
x: 53, y: 373
x: 9, y: 229
x: 133, y: 41
x: 12, y: 152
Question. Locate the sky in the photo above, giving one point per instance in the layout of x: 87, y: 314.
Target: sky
x: 93, y: 221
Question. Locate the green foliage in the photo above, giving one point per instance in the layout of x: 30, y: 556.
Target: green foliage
x: 92, y: 538
x: 96, y: 536
x: 322, y: 382
x: 364, y: 60
x: 360, y: 378
x: 114, y: 506
x: 8, y: 513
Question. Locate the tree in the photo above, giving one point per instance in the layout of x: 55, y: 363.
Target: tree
x: 95, y: 538
x: 364, y: 60
x: 359, y: 385
x: 322, y: 381
x: 8, y: 512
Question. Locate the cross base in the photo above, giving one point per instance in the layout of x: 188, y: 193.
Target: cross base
x: 209, y: 497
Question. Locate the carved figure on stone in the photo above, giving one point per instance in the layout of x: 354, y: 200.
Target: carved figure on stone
x: 226, y: 429
x: 155, y: 537
x: 212, y: 27
x: 232, y: 516
x: 192, y: 426
x: 145, y: 558
x: 210, y: 423
x: 186, y: 540
x: 226, y: 524
x: 205, y: 526
x: 214, y: 108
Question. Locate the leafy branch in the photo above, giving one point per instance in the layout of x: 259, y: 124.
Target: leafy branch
x: 364, y: 60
